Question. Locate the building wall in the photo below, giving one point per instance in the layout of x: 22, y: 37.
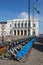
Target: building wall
x: 10, y: 27
x: 0, y: 30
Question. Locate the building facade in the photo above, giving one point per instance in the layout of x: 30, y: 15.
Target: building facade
x: 20, y: 27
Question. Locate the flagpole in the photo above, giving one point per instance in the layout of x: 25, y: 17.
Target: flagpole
x: 33, y: 18
x: 29, y: 11
x: 29, y: 16
x: 34, y: 8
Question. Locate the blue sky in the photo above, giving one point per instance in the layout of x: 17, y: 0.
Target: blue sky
x: 10, y: 9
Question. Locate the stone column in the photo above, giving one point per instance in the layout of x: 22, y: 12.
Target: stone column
x: 20, y: 32
x: 13, y: 32
x: 16, y: 33
x: 23, y: 32
x: 27, y: 32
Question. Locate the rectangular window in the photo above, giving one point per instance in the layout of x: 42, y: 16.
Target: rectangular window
x: 10, y: 32
x: 33, y: 32
x: 10, y: 25
x: 28, y: 24
x: 2, y: 25
x: 34, y: 25
x: 15, y: 24
x: 28, y: 32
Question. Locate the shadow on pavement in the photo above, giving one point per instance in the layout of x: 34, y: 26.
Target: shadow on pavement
x: 38, y: 47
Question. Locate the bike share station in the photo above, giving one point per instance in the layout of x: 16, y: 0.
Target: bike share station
x: 17, y: 49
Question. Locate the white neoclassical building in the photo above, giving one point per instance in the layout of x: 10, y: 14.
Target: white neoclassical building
x: 19, y: 27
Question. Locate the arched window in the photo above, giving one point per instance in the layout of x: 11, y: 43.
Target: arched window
x: 18, y: 32
x: 21, y: 24
x: 25, y: 33
x: 21, y: 32
x: 14, y: 32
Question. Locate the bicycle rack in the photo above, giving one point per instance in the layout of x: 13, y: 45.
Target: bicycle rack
x: 22, y: 52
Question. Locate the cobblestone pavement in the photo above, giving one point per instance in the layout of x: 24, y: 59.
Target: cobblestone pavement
x: 35, y: 58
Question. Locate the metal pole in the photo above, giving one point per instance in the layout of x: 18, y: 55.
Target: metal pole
x: 29, y: 16
x: 33, y: 17
x: 29, y: 12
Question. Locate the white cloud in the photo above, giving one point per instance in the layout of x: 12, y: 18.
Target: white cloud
x: 24, y: 15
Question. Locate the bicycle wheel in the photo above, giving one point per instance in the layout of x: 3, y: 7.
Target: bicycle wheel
x: 5, y: 55
x: 23, y: 59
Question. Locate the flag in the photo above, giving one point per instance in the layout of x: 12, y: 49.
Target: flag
x: 36, y: 9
